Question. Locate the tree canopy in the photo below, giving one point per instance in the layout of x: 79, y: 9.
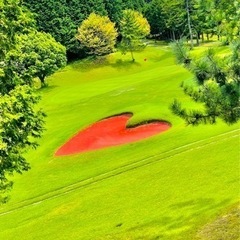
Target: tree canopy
x: 37, y: 54
x: 97, y: 34
x: 218, y: 84
x: 133, y: 28
x: 21, y: 122
x: 62, y: 18
x: 168, y: 19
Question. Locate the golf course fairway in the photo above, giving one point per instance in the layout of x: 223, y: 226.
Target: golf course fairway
x: 165, y: 186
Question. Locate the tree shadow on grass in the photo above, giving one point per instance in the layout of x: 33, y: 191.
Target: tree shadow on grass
x: 47, y: 88
x: 91, y: 63
x: 180, y: 220
x: 161, y: 57
x: 124, y: 64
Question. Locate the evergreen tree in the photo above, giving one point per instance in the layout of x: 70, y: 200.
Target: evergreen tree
x: 37, y: 54
x: 133, y: 28
x: 97, y: 34
x: 62, y: 18
x: 155, y: 17
x: 218, y: 89
x: 114, y: 9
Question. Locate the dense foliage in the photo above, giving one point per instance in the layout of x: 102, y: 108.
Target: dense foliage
x: 97, y: 34
x: 20, y: 121
x: 168, y: 19
x: 37, y: 54
x: 218, y: 84
x: 133, y: 28
x: 62, y: 18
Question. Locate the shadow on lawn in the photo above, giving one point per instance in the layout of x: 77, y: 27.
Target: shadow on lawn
x: 181, y: 222
x: 98, y: 62
x: 47, y: 88
x: 159, y: 58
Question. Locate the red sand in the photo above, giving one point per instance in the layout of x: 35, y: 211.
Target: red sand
x: 110, y: 132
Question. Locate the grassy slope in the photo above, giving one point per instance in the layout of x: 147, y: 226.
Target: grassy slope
x: 162, y: 187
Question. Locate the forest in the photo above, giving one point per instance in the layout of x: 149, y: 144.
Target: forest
x: 168, y: 19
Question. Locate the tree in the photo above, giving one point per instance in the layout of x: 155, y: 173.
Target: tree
x: 136, y: 5
x: 228, y: 18
x: 189, y: 21
x: 37, y: 54
x: 61, y: 19
x: 181, y: 51
x: 133, y: 28
x: 20, y: 120
x: 114, y: 9
x: 201, y: 18
x: 217, y: 87
x: 155, y: 17
x: 97, y: 34
x: 174, y: 14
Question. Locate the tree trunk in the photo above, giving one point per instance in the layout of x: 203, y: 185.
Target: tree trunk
x: 133, y: 59
x: 131, y: 50
x: 173, y: 34
x: 189, y: 23
x: 198, y: 37
x: 42, y: 79
x: 202, y: 37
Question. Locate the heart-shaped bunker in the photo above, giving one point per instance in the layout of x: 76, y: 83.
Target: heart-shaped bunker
x: 110, y: 131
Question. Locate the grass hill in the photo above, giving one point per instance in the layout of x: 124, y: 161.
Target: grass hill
x: 164, y: 187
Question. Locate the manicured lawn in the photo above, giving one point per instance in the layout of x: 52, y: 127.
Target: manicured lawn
x: 164, y: 187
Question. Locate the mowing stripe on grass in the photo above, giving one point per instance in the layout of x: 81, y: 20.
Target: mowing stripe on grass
x: 141, y: 163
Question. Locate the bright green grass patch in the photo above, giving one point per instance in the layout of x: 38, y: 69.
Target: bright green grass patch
x: 123, y: 192
x: 165, y: 199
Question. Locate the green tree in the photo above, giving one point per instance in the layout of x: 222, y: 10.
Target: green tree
x: 20, y: 120
x: 227, y: 17
x: 37, y: 54
x: 218, y: 89
x: 155, y: 17
x: 181, y: 51
x: 114, y: 9
x: 137, y: 5
x: 97, y: 34
x: 174, y: 13
x: 133, y: 28
x: 62, y: 18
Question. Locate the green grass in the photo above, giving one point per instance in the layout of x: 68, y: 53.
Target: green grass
x: 164, y: 187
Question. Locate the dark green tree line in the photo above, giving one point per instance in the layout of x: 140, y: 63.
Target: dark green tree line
x: 62, y: 18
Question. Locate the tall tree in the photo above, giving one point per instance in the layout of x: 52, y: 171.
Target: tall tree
x: 137, y: 5
x: 228, y: 17
x: 175, y: 15
x: 133, y: 28
x: 114, y: 9
x: 218, y: 89
x: 37, y: 54
x: 201, y: 18
x: 62, y: 18
x: 20, y: 120
x: 156, y: 18
x: 188, y: 6
x: 97, y: 34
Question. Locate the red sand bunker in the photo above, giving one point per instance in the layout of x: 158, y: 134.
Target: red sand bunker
x: 110, y: 132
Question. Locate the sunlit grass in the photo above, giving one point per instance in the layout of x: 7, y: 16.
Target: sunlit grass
x: 163, y: 187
